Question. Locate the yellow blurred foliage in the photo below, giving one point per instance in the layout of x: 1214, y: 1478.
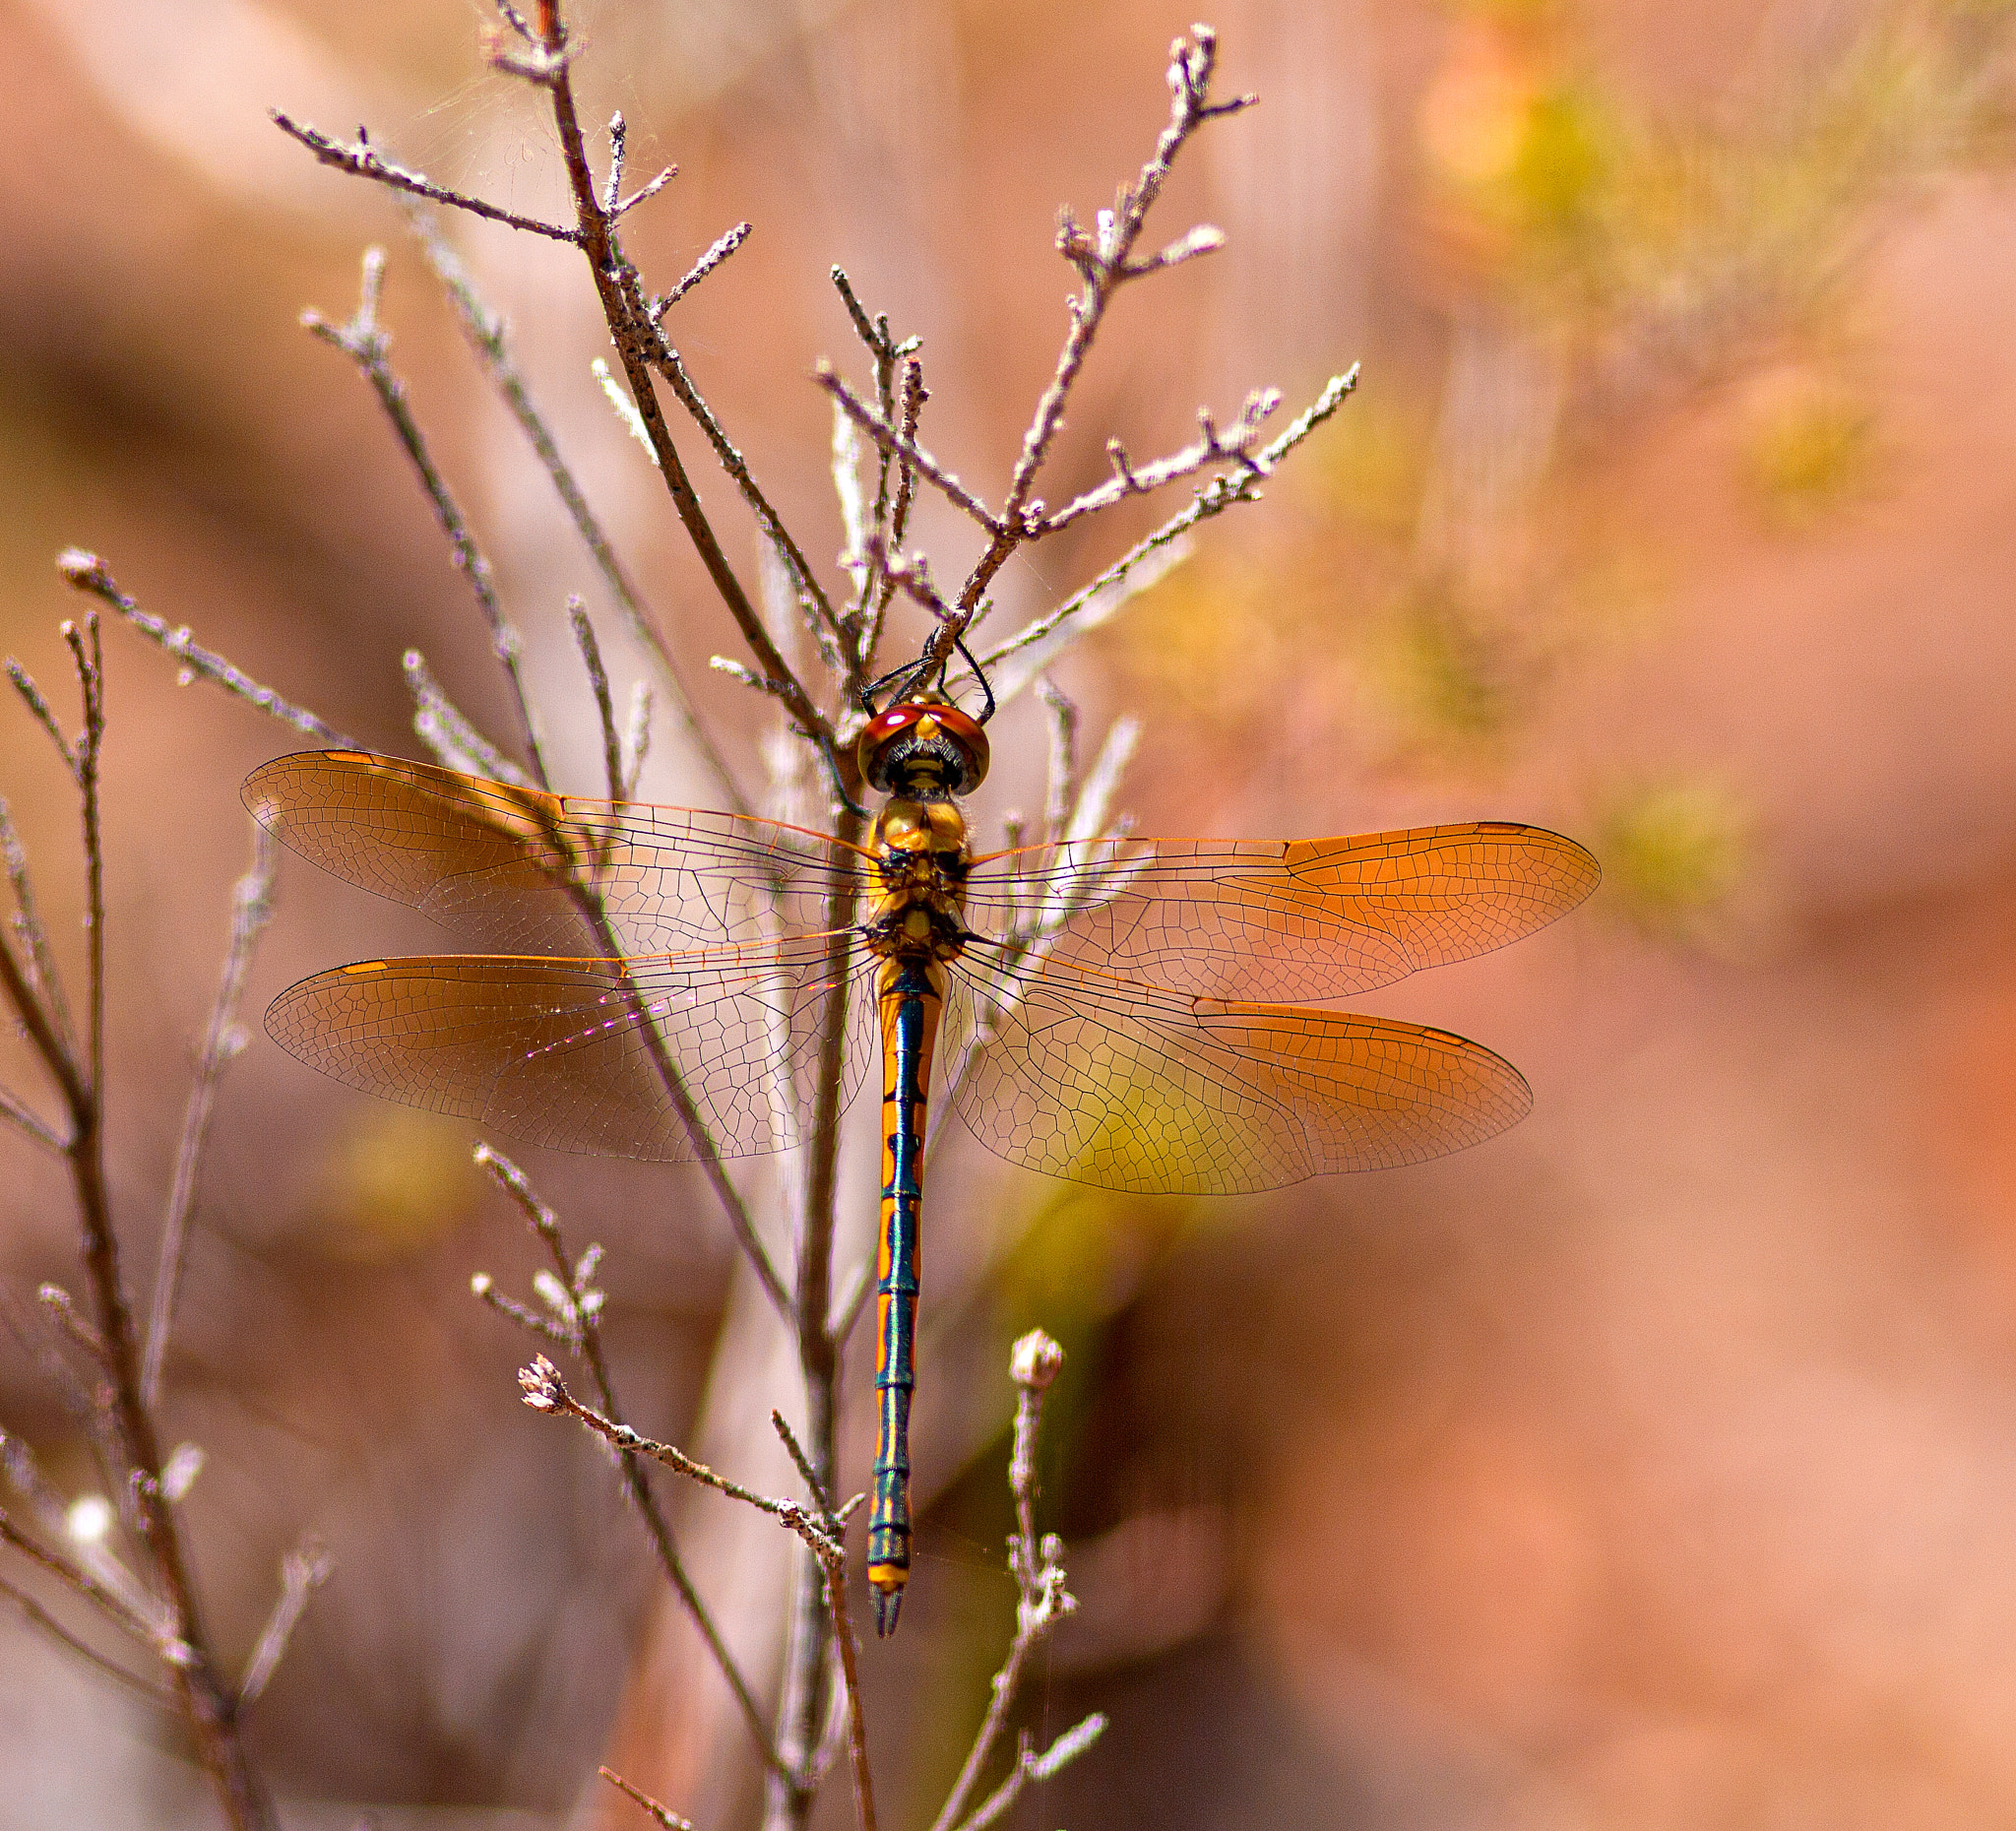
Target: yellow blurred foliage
x: 392, y: 1183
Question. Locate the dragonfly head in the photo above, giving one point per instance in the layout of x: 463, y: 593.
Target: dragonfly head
x: 923, y: 748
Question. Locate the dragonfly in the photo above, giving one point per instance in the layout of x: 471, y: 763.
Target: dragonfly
x: 1137, y: 1014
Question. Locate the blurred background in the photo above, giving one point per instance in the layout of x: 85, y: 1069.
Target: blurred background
x: 1653, y: 1466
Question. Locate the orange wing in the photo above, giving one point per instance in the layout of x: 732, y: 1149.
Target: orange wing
x: 1125, y: 1085
x: 577, y: 1054
x: 1291, y: 921
x: 506, y: 865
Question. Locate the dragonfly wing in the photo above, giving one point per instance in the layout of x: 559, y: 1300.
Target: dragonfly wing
x: 1291, y: 920
x: 509, y: 865
x: 577, y: 1054
x: 1125, y: 1085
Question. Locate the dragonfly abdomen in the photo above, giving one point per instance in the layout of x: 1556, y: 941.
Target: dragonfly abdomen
x: 910, y: 989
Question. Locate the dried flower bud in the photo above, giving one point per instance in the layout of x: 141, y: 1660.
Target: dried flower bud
x: 541, y: 1384
x: 1035, y: 1361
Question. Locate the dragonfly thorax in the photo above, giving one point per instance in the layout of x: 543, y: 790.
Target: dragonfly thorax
x: 920, y: 859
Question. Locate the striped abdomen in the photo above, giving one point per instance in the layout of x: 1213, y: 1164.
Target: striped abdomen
x: 910, y: 995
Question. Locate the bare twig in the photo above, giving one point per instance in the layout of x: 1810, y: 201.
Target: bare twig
x: 108, y: 1602
x: 636, y: 738
x: 15, y: 1113
x: 1212, y: 446
x: 1032, y: 1769
x: 78, y: 1073
x: 812, y: 597
x: 38, y: 709
x: 222, y: 1039
x: 725, y: 246
x: 362, y: 160
x: 900, y: 399
x: 515, y: 20
x: 913, y: 576
x: 363, y: 340
x: 613, y: 187
x: 484, y: 1288
x: 666, y: 1816
x: 1062, y: 794
x: 61, y: 1309
x: 39, y: 1616
x: 599, y: 683
x: 892, y: 440
x: 447, y: 731
x: 545, y: 1391
x: 1213, y: 499
x: 88, y: 573
x: 645, y: 192
x: 301, y: 1573
x: 29, y: 926
x: 486, y: 332
x: 1038, y: 1576
x: 810, y: 1475
x: 1104, y: 261
x: 911, y: 407
x: 579, y: 1331
x: 638, y: 345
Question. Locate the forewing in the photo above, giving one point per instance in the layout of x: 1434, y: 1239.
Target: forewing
x: 508, y: 865
x: 1289, y: 920
x: 1129, y: 1087
x: 576, y: 1054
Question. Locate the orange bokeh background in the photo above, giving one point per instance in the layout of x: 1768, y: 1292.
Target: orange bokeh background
x: 1650, y: 1467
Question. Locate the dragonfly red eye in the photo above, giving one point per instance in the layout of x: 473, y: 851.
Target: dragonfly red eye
x: 918, y: 734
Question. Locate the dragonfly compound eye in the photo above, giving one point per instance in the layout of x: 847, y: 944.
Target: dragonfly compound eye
x: 923, y: 747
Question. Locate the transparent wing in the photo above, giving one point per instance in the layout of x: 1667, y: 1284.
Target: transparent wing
x: 1292, y: 920
x: 575, y: 1055
x: 506, y: 865
x: 1125, y: 1085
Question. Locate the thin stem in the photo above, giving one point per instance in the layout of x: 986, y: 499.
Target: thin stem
x: 803, y: 1705
x: 448, y: 731
x: 912, y: 398
x: 1032, y: 1769
x: 29, y: 924
x: 599, y: 684
x: 39, y: 1616
x: 38, y: 709
x: 812, y: 597
x: 666, y: 1816
x: 637, y: 344
x: 15, y: 1113
x: 725, y: 246
x: 1105, y: 265
x: 892, y: 440
x: 206, y: 1699
x: 1044, y: 1601
x: 366, y: 343
x: 251, y: 909
x: 1218, y: 495
x: 363, y: 161
x: 87, y: 572
x: 107, y: 1601
x: 1214, y: 446
x: 485, y: 332
x: 545, y: 1391
x: 1062, y: 795
x: 301, y: 1573
x: 586, y: 1341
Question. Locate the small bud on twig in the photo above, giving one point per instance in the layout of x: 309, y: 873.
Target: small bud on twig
x: 1035, y: 1360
